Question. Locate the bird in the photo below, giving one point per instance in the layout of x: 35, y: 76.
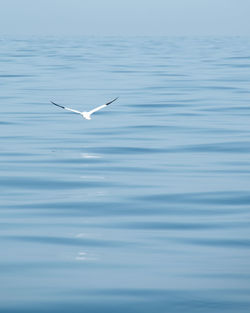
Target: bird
x: 86, y: 115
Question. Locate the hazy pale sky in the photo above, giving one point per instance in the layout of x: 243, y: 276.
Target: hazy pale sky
x: 124, y: 17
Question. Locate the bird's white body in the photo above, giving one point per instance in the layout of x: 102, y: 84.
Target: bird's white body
x: 86, y: 115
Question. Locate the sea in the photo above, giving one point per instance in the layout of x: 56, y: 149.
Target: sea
x: 146, y: 207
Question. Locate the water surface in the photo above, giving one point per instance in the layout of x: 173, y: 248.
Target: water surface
x: 146, y: 207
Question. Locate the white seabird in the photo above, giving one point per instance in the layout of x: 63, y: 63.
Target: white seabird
x: 86, y: 115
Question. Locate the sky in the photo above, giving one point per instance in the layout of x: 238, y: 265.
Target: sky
x: 124, y: 17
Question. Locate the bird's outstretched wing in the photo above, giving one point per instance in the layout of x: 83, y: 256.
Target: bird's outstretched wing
x: 101, y: 106
x: 60, y: 106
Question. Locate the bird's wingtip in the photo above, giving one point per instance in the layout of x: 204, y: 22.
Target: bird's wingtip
x: 57, y: 104
x: 112, y: 101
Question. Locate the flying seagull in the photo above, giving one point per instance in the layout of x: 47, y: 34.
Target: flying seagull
x: 86, y: 115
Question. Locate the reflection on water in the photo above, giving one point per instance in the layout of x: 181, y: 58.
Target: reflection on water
x: 146, y: 207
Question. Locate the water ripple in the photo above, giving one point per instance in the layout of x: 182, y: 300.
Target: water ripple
x: 217, y: 242
x: 49, y: 240
x: 235, y: 198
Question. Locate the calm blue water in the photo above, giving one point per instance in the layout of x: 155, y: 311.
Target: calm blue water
x: 145, y: 208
